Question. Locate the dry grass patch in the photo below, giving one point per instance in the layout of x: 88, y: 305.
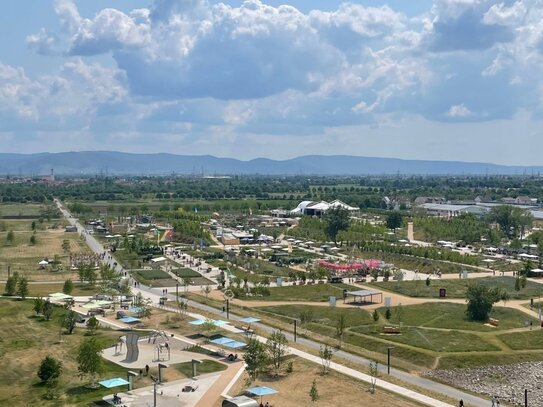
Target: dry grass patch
x: 23, y: 257
x: 334, y: 389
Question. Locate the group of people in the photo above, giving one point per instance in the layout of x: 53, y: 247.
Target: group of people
x: 79, y: 259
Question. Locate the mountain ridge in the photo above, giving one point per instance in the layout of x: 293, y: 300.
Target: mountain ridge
x: 121, y: 163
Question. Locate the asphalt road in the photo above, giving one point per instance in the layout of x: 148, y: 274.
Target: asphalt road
x: 469, y: 399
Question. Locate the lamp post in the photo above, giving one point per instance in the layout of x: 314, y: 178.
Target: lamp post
x: 388, y: 358
x: 227, y: 308
x: 295, y: 330
x: 177, y: 292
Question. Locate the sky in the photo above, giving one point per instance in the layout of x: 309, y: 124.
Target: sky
x: 421, y: 79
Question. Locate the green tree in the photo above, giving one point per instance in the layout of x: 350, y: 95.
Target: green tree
x: 374, y: 372
x: 92, y: 325
x: 22, y: 288
x: 66, y: 246
x: 68, y: 287
x: 11, y: 284
x: 33, y: 225
x: 10, y: 238
x: 512, y: 220
x: 89, y: 360
x: 325, y: 353
x: 277, y: 347
x: 394, y: 220
x: 38, y: 305
x: 33, y: 240
x: 255, y: 357
x: 50, y: 369
x: 69, y: 321
x: 337, y: 219
x: 480, y: 300
x: 375, y: 315
x: 388, y: 314
x: 341, y: 325
x: 314, y: 392
x: 47, y: 310
x: 87, y: 274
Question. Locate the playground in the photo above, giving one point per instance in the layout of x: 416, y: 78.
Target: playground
x: 135, y: 352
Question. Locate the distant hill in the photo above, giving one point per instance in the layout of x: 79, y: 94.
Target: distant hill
x: 117, y: 163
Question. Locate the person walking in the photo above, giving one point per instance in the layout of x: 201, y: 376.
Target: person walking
x: 461, y: 403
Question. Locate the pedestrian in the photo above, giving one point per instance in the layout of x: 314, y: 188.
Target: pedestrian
x: 497, y: 402
x: 461, y: 403
x: 493, y: 401
x: 146, y: 370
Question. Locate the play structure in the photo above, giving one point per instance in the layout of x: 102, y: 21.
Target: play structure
x: 132, y: 350
x: 162, y: 346
x: 353, y: 266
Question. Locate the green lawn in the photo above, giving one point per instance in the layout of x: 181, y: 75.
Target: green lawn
x: 151, y: 274
x: 26, y: 339
x: 185, y: 272
x: 313, y: 292
x: 447, y: 315
x: 207, y: 366
x: 457, y: 288
x: 322, y: 315
x: 529, y: 340
x: 432, y: 339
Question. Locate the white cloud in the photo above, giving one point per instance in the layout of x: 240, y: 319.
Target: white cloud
x: 459, y: 111
x: 195, y: 68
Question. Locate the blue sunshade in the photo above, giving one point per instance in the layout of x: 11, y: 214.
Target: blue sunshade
x: 229, y: 343
x: 261, y: 391
x: 249, y: 320
x: 198, y: 322
x: 219, y: 322
x: 129, y: 320
x: 222, y: 340
x: 135, y: 310
x: 117, y: 381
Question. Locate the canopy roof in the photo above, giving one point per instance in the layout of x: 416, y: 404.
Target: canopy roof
x: 262, y: 391
x: 115, y: 382
x: 249, y: 320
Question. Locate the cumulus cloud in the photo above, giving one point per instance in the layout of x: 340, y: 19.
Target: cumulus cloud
x: 195, y: 67
x: 459, y: 111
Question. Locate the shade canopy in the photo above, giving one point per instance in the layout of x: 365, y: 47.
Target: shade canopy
x: 249, y: 320
x: 43, y: 263
x: 219, y: 322
x: 135, y: 310
x: 59, y: 296
x: 229, y: 343
x: 115, y: 382
x: 129, y: 320
x: 198, y: 322
x: 262, y: 391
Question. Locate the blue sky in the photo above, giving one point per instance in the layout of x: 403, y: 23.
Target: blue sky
x: 442, y: 79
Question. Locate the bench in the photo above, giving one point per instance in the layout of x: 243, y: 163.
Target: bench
x: 391, y: 329
x: 493, y: 321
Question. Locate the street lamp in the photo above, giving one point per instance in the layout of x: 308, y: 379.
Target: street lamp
x: 295, y: 323
x: 177, y: 292
x: 389, y: 348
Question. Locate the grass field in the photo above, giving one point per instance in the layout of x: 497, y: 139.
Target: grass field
x: 313, y: 292
x: 429, y: 331
x: 334, y: 389
x: 22, y: 210
x: 44, y: 289
x: 457, y: 288
x: 26, y: 340
x: 23, y: 257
